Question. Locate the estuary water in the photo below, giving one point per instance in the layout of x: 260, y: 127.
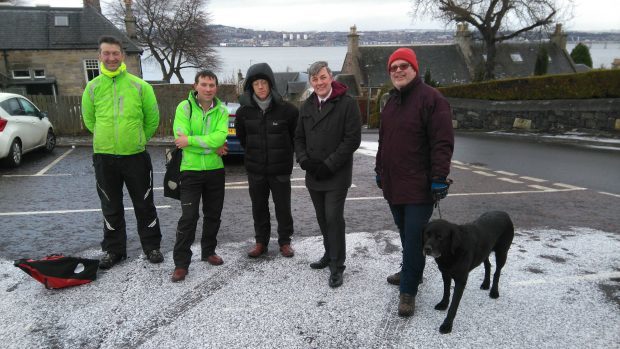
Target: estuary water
x: 297, y: 59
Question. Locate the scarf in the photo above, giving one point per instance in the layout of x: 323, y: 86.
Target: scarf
x: 112, y: 74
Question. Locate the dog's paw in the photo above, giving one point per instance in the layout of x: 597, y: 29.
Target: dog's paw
x: 494, y: 294
x: 445, y: 328
x: 441, y: 306
x: 485, y: 285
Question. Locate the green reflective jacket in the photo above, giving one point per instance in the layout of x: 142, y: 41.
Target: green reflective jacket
x: 121, y: 113
x: 206, y: 131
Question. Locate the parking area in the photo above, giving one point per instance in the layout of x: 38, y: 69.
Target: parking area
x: 560, y: 287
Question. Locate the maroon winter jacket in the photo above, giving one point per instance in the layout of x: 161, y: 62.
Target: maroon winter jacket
x: 416, y: 141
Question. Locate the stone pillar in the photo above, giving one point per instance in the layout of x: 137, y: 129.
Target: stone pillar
x: 558, y: 37
x: 130, y: 21
x: 463, y: 39
x: 93, y: 3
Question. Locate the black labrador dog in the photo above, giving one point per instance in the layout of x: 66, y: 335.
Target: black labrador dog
x: 458, y: 249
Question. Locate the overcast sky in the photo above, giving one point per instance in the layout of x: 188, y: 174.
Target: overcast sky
x: 339, y: 15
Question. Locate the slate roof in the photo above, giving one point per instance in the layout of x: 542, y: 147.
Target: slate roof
x: 32, y: 28
x: 349, y: 81
x: 282, y: 80
x: 506, y: 66
x: 446, y: 63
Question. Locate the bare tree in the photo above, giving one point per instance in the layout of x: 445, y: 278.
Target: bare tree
x: 173, y: 32
x: 496, y: 20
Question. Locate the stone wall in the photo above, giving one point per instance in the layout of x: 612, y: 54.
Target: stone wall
x: 66, y: 66
x: 548, y: 116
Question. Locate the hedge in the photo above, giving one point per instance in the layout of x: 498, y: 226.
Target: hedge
x: 592, y: 84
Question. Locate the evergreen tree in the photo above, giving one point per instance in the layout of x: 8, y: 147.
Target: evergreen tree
x: 581, y: 54
x: 542, y: 61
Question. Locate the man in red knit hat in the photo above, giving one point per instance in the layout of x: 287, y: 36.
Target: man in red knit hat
x: 416, y: 141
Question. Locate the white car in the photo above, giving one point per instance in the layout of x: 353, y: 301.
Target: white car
x: 23, y: 128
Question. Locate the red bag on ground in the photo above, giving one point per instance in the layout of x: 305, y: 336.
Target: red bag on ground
x: 58, y: 271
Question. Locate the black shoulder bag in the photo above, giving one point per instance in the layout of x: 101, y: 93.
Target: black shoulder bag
x: 172, y: 178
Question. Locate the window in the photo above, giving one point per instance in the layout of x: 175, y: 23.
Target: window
x: 516, y: 57
x: 21, y: 74
x: 91, y: 68
x: 12, y: 107
x: 39, y: 73
x: 29, y: 109
x: 61, y: 20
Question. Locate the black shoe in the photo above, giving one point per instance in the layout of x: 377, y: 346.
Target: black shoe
x: 394, y: 279
x: 335, y: 279
x: 155, y: 256
x: 320, y: 264
x: 110, y: 259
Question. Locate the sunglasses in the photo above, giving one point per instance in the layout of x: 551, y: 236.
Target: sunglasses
x: 402, y: 66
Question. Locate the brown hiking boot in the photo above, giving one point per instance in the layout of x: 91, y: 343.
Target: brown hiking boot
x: 257, y: 250
x: 287, y: 250
x: 406, y: 305
x: 394, y: 279
x: 178, y: 275
x: 214, y: 260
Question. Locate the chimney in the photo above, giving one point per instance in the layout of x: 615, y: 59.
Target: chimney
x: 465, y: 42
x: 558, y: 37
x: 94, y: 4
x: 130, y: 21
x: 354, y: 38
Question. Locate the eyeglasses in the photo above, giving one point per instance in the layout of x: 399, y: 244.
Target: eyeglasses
x: 402, y: 66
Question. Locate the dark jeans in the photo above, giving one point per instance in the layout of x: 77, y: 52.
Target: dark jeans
x: 410, y: 220
x: 208, y: 185
x: 136, y: 173
x: 329, y: 207
x: 280, y: 188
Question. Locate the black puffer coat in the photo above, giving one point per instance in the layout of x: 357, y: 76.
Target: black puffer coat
x: 267, y: 137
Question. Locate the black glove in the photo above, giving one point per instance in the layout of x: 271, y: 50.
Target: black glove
x: 439, y: 187
x: 310, y: 165
x: 323, y: 172
x: 378, y: 179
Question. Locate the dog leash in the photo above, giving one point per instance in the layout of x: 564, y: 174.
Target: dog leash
x: 438, y: 208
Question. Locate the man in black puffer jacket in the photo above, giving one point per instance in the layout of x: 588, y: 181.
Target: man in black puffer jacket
x: 265, y: 126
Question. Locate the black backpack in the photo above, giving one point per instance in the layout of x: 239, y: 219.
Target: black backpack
x: 172, y: 178
x: 58, y: 271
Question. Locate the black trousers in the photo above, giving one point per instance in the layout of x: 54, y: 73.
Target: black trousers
x: 136, y: 173
x: 208, y: 185
x: 329, y: 207
x: 280, y: 189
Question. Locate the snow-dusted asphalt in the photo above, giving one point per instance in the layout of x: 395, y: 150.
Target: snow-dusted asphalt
x: 556, y: 291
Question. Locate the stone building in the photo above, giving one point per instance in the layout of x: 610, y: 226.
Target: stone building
x: 53, y: 50
x: 456, y: 63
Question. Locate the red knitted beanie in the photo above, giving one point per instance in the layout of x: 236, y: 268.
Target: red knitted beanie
x: 406, y: 54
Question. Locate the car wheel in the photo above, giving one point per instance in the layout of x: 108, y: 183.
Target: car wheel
x: 15, y: 154
x: 50, y: 142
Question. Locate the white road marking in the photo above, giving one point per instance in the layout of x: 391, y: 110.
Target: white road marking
x: 368, y: 152
x: 43, y: 175
x: 541, y: 187
x: 33, y: 213
x: 548, y: 190
x: 568, y: 186
x: 555, y: 281
x: 509, y: 180
x: 506, y: 173
x: 46, y: 168
x: 484, y: 173
x: 479, y: 167
x: 457, y: 162
x: 533, y: 179
x: 460, y: 167
x: 610, y: 194
x: 239, y: 185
